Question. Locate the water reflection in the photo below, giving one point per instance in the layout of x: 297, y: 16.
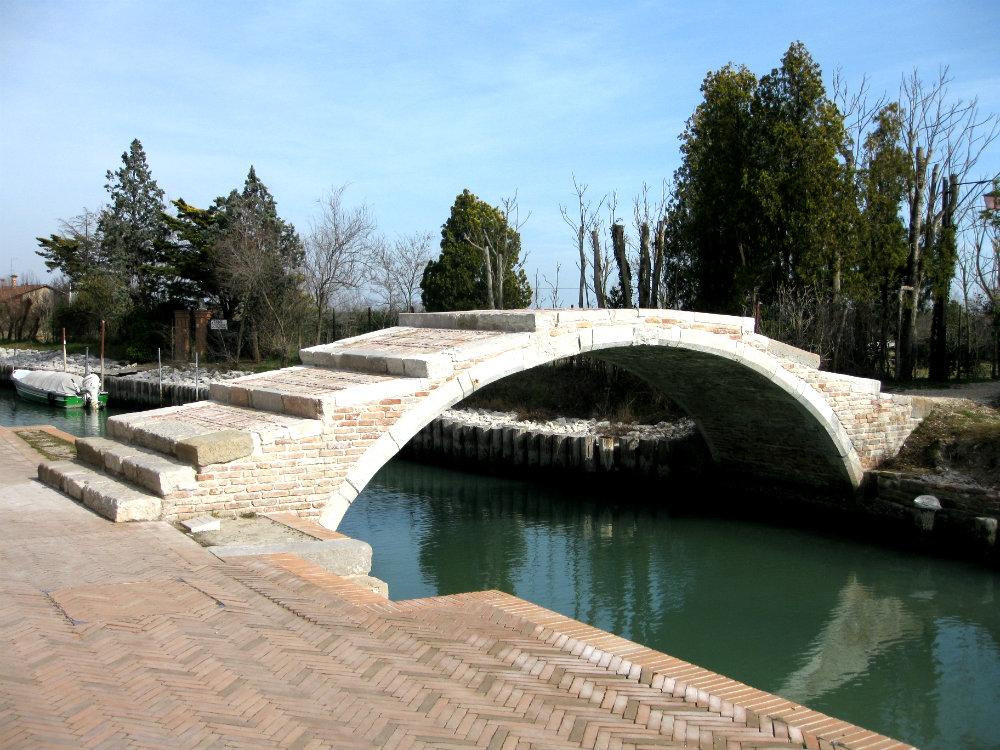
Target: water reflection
x: 861, y: 626
x: 904, y: 645
x: 16, y: 412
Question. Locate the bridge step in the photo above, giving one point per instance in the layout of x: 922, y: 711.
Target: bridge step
x: 103, y: 494
x: 311, y: 392
x: 206, y: 432
x: 412, y: 352
x: 152, y: 471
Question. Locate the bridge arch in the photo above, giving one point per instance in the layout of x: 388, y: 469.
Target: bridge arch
x: 756, y: 413
x: 307, y: 439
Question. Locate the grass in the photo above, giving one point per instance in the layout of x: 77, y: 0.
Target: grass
x: 962, y: 437
x: 50, y: 446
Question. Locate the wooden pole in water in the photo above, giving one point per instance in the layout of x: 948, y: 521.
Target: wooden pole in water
x: 102, y: 355
x: 64, y: 350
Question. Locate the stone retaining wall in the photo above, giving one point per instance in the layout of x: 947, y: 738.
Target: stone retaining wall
x: 454, y: 442
x: 141, y: 392
x: 966, y: 523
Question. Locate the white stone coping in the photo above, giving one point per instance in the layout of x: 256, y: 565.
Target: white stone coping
x: 537, y: 320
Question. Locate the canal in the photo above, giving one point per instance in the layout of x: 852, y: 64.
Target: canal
x: 898, y: 643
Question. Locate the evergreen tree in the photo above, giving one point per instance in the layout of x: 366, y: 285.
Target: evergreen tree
x: 132, y: 228
x: 882, y: 181
x: 258, y: 257
x: 190, y: 254
x: 458, y: 279
x: 713, y: 217
x: 797, y: 177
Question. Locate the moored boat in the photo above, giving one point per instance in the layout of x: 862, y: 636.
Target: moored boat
x: 62, y: 389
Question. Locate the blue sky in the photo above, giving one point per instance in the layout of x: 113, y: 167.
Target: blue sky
x: 411, y: 103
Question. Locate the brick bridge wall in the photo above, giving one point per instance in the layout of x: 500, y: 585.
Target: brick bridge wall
x: 308, y: 439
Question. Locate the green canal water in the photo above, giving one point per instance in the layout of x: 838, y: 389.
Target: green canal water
x: 899, y: 643
x: 16, y: 412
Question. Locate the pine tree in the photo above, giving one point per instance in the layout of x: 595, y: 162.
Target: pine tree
x: 132, y: 228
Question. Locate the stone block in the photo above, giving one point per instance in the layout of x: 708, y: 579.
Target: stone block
x: 343, y: 557
x: 201, y: 523
x: 214, y: 448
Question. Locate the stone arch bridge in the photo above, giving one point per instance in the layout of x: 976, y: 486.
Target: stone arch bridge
x: 309, y: 438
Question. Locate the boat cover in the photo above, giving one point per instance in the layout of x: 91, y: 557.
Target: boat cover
x: 49, y: 380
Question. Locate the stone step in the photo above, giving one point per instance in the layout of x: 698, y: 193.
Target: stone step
x: 103, y: 494
x: 152, y: 471
x: 408, y: 352
x: 311, y: 392
x: 208, y: 432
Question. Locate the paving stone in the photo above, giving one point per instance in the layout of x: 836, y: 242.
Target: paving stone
x: 135, y: 636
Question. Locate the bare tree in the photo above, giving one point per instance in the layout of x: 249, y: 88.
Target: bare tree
x: 336, y: 251
x: 618, y: 247
x: 396, y: 270
x: 553, y: 287
x: 254, y: 272
x: 955, y: 133
x: 498, y: 242
x: 582, y: 227
x: 650, y: 258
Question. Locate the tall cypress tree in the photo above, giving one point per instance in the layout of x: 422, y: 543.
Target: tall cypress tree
x: 713, y: 217
x: 457, y: 279
x: 798, y: 179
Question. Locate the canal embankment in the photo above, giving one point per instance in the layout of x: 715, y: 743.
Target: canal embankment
x: 938, y: 514
x: 145, y: 386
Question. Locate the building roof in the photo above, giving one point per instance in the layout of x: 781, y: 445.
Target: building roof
x: 10, y: 292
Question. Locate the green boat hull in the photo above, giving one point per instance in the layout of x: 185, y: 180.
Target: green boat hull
x: 41, y: 395
x: 65, y: 402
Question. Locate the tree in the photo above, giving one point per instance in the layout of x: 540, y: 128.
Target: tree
x: 984, y: 264
x: 799, y: 181
x: 956, y: 132
x: 713, y: 217
x: 258, y: 255
x: 396, y: 270
x: 335, y: 252
x: 650, y: 257
x: 76, y: 252
x: 582, y: 229
x: 882, y: 177
x: 131, y: 226
x: 190, y: 256
x: 479, y: 265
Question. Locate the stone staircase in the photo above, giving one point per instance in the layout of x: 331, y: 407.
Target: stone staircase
x: 152, y: 461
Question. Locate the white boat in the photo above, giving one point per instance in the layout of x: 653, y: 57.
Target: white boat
x: 63, y: 389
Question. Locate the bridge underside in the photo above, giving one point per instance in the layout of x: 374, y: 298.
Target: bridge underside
x: 751, y: 426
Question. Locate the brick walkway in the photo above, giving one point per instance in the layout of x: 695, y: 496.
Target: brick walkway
x: 132, y: 635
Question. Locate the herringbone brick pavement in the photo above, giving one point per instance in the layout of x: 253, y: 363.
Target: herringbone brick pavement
x: 133, y: 636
